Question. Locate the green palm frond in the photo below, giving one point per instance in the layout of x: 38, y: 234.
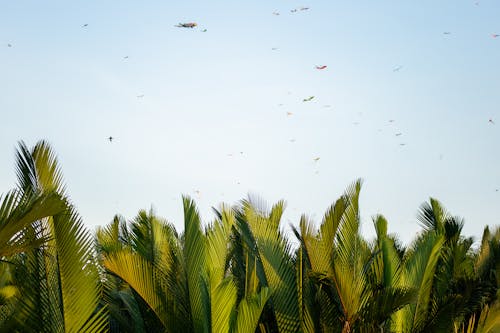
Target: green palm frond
x: 250, y: 310
x: 37, y: 169
x: 17, y: 211
x: 274, y: 256
x: 420, y: 267
x: 79, y: 278
x: 195, y: 261
x: 140, y: 275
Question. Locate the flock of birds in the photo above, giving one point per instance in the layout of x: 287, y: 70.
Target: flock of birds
x: 193, y: 25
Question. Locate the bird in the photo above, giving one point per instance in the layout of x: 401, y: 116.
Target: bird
x: 397, y: 69
x: 391, y: 120
x: 110, y: 139
x: 304, y: 8
x: 491, y: 121
x: 85, y: 25
x: 321, y: 67
x: 276, y: 13
x: 316, y: 159
x: 308, y: 99
x: 140, y: 96
x: 289, y: 113
x: 292, y: 140
x: 274, y: 48
x: 293, y: 10
x: 495, y: 35
x: 402, y: 144
x: 187, y: 25
x: 126, y: 57
x: 204, y: 30
x: 9, y: 45
x: 446, y: 33
x: 398, y: 134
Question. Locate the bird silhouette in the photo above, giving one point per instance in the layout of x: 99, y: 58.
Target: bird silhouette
x: 85, y: 25
x: 397, y: 69
x: 308, y: 99
x: 495, y: 35
x: 110, y: 139
x: 140, y: 96
x: 491, y: 121
x: 316, y: 159
x: 289, y: 113
x: 399, y: 134
x: 187, y: 25
x: 321, y: 67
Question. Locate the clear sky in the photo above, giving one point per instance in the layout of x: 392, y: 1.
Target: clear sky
x: 433, y: 67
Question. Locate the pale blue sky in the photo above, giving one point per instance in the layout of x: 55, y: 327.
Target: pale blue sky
x: 210, y: 94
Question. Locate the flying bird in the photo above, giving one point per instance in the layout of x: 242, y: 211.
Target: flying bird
x: 446, y: 33
x: 187, y: 25
x: 204, y: 30
x: 397, y: 69
x: 85, y: 25
x: 126, y: 57
x: 321, y: 67
x: 308, y: 99
x: 293, y: 11
x: 292, y: 140
x: 402, y: 144
x: 289, y: 113
x: 9, y: 45
x: 304, y: 8
x: 391, y: 120
x: 316, y: 159
x: 140, y: 96
x: 495, y: 35
x: 110, y: 139
x: 276, y: 13
x: 274, y: 48
x: 491, y: 121
x: 398, y: 134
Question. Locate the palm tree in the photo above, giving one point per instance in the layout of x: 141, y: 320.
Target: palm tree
x: 183, y: 280
x: 57, y: 279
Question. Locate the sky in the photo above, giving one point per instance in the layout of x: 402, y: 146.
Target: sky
x: 222, y: 113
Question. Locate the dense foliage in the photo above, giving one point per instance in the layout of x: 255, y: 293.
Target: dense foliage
x: 239, y: 273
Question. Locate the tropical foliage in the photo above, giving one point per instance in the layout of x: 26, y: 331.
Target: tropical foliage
x: 240, y: 273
